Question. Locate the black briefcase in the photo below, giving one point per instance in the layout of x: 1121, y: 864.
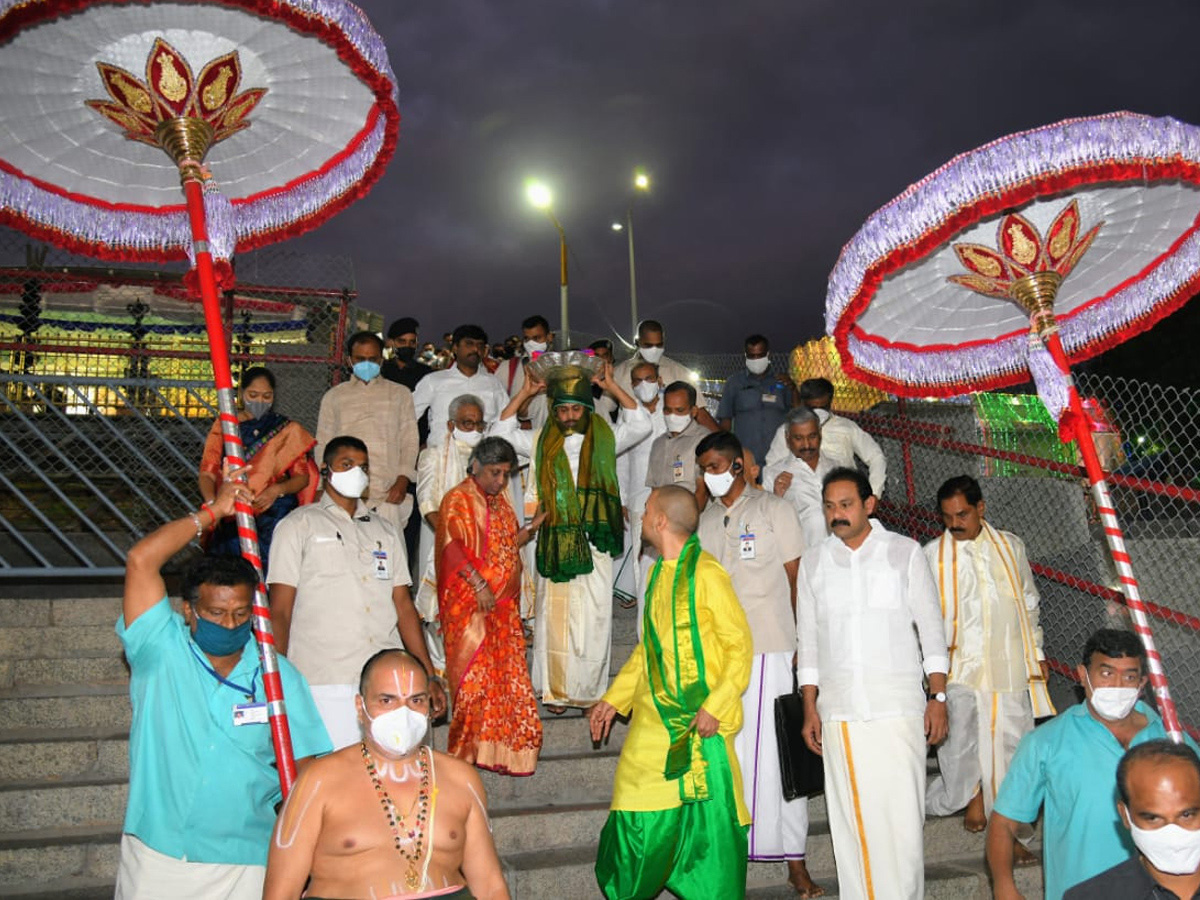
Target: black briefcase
x: 803, y: 772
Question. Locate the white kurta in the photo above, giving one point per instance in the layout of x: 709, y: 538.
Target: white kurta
x: 804, y: 493
x: 439, y: 468
x: 842, y: 440
x: 572, y: 636
x: 868, y: 623
x: 990, y: 611
x: 632, y: 466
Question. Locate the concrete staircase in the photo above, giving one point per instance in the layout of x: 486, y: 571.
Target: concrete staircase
x: 64, y: 722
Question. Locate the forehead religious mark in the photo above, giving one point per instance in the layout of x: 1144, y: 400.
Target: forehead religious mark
x: 280, y: 841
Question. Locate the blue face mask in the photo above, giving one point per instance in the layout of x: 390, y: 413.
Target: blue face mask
x: 217, y: 640
x: 366, y: 370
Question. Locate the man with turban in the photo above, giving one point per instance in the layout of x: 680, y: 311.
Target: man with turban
x: 573, y: 477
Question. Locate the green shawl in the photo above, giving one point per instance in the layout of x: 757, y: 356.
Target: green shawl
x: 579, y: 513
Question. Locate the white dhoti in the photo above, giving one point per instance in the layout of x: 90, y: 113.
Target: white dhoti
x: 396, y: 513
x: 985, y: 728
x: 426, y: 600
x: 335, y: 703
x: 780, y: 827
x: 146, y: 874
x: 875, y: 794
x: 628, y: 580
x: 572, y: 636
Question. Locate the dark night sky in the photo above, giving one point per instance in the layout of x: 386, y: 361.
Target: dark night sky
x: 771, y: 130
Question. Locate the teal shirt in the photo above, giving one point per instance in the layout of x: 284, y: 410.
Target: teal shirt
x: 1070, y: 764
x: 200, y: 788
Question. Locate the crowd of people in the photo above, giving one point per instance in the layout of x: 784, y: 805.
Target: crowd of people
x: 452, y: 518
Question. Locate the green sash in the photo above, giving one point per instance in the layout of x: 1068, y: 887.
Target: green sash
x: 679, y: 698
x: 577, y: 513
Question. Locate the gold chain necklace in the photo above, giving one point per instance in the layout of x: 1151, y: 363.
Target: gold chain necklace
x: 414, y: 833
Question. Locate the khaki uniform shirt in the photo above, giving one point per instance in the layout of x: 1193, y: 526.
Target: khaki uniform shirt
x: 673, y: 458
x: 343, y: 570
x: 768, y: 525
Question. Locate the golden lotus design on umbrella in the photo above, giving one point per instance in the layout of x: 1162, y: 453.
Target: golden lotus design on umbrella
x: 170, y: 91
x: 1023, y: 251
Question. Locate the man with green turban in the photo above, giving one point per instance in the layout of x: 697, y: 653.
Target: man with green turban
x: 573, y: 477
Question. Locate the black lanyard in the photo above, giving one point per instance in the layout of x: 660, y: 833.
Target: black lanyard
x: 251, y: 694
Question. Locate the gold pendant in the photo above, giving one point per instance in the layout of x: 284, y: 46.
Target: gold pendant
x: 412, y: 879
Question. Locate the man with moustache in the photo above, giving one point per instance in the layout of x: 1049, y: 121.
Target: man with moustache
x: 362, y: 822
x: 466, y: 376
x: 997, y: 681
x: 869, y: 629
x: 799, y: 479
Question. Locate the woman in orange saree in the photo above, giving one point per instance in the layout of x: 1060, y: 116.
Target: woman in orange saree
x: 494, y: 721
x: 282, y: 474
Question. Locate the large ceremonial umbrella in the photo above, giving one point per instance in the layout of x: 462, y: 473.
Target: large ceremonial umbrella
x: 296, y: 97
x: 1013, y: 260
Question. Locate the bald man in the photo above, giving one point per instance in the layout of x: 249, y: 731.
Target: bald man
x: 361, y: 821
x: 678, y: 820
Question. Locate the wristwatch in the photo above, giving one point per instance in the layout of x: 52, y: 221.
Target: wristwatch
x: 940, y: 696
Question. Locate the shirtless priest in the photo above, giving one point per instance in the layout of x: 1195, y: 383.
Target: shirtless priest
x: 390, y: 817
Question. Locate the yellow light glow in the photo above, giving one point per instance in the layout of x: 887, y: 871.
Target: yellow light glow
x: 641, y: 180
x: 538, y: 194
x: 617, y: 226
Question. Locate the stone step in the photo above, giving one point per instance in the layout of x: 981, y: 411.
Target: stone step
x: 583, y: 777
x: 71, y: 802
x: 75, y: 611
x: 55, y: 753
x: 83, y: 670
x: 570, y: 872
x: 65, y: 706
x: 72, y: 888
x: 76, y: 852
x: 522, y: 829
x: 59, y: 642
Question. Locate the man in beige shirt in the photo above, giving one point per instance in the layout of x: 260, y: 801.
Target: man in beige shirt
x: 756, y: 537
x: 673, y: 455
x: 339, y: 590
x: 379, y: 413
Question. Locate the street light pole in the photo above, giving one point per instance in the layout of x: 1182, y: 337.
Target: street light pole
x: 539, y: 195
x: 633, y: 309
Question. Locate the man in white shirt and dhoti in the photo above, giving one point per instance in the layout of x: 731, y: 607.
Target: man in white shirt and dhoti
x: 756, y: 537
x: 868, y: 622
x: 997, y: 681
x: 799, y: 478
x: 573, y: 477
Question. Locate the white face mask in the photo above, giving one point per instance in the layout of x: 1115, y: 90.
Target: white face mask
x: 651, y: 354
x: 676, y: 424
x: 468, y: 438
x: 1172, y: 849
x: 645, y: 391
x: 719, y: 485
x: 758, y: 366
x: 399, y: 731
x: 1112, y: 703
x: 350, y: 483
x: 532, y: 347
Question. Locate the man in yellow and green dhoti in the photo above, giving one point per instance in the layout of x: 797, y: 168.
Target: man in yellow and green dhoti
x: 678, y: 821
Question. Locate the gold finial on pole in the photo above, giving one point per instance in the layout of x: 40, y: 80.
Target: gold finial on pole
x: 186, y: 140
x: 1035, y: 294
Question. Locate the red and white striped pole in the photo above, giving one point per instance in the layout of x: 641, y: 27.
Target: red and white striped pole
x: 187, y: 141
x: 1115, y: 539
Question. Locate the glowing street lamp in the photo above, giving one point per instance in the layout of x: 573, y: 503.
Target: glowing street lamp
x: 641, y: 184
x: 540, y: 197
